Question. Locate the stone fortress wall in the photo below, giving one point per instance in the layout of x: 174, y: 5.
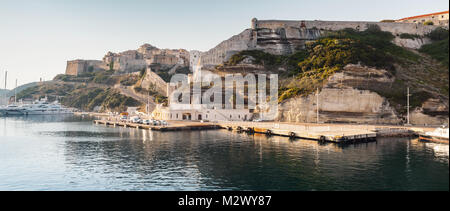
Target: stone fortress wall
x: 278, y: 37
x: 77, y: 67
x: 283, y: 37
x: 132, y: 60
x: 226, y: 49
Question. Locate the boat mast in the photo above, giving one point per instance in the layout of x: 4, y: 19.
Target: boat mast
x: 15, y: 93
x: 408, y: 106
x: 317, y: 102
x: 6, y: 79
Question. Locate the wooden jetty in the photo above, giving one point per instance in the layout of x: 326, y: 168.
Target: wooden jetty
x: 340, y: 134
x: 174, y: 127
x: 321, y: 134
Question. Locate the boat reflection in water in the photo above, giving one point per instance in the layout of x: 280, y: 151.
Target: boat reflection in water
x: 440, y: 151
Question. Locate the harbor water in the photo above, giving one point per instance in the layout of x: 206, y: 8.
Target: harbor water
x: 71, y: 153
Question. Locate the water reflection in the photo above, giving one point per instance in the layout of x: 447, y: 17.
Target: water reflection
x: 81, y: 156
x: 440, y: 151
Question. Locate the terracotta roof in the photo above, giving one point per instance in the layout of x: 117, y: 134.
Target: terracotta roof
x: 426, y: 15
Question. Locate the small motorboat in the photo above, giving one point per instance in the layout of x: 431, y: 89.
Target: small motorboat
x: 440, y: 135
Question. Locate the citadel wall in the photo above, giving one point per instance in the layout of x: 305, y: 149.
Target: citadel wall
x: 132, y: 60
x: 77, y: 67
x: 283, y: 37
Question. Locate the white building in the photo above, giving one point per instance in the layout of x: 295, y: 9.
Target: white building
x: 193, y: 114
x: 438, y: 19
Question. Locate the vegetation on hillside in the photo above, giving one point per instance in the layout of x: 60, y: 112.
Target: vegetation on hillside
x: 309, y: 69
x: 409, y: 36
x: 80, y: 96
x: 439, y: 48
x: 101, y: 77
x: 268, y: 60
x: 332, y: 53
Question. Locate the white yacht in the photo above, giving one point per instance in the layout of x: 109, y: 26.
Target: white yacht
x: 36, y: 108
x: 43, y: 108
x: 12, y: 110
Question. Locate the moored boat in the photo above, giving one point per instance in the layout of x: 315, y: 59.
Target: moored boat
x: 12, y: 110
x: 37, y: 108
x: 440, y: 135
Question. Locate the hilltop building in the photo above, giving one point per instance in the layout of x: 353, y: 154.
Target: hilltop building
x: 77, y: 67
x: 438, y: 19
x: 133, y: 61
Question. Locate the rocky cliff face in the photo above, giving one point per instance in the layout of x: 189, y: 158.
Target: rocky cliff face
x: 349, y: 96
x: 415, y: 43
x: 282, y: 37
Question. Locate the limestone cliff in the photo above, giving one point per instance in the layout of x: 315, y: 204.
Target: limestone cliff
x: 351, y: 96
x: 282, y: 37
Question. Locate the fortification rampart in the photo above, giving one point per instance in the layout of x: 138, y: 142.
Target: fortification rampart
x: 77, y: 67
x: 394, y: 28
x: 283, y: 37
x: 131, y: 60
x: 225, y: 49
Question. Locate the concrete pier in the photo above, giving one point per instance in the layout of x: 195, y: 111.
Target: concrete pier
x: 322, y: 133
x: 171, y: 127
x: 333, y: 133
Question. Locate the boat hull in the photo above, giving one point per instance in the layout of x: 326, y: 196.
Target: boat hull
x: 436, y: 139
x: 11, y: 113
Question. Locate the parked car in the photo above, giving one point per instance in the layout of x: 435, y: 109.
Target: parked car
x: 135, y: 119
x: 164, y: 123
x: 123, y: 118
x: 147, y: 122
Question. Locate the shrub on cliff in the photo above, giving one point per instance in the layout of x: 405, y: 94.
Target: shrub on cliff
x: 428, y: 23
x: 114, y: 101
x: 159, y: 99
x: 409, y: 36
x: 438, y: 34
x: 438, y: 50
x: 129, y: 80
x: 333, y: 52
x: 259, y: 57
x: 290, y: 62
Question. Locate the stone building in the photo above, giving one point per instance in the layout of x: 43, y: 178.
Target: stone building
x: 77, y: 67
x: 438, y: 19
x: 132, y: 60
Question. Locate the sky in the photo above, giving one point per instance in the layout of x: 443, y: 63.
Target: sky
x: 38, y: 37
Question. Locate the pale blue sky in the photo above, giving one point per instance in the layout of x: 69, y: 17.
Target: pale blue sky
x: 37, y: 37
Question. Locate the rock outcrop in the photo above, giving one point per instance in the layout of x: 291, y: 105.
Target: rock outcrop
x: 286, y: 37
x: 348, y: 96
x: 415, y: 43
